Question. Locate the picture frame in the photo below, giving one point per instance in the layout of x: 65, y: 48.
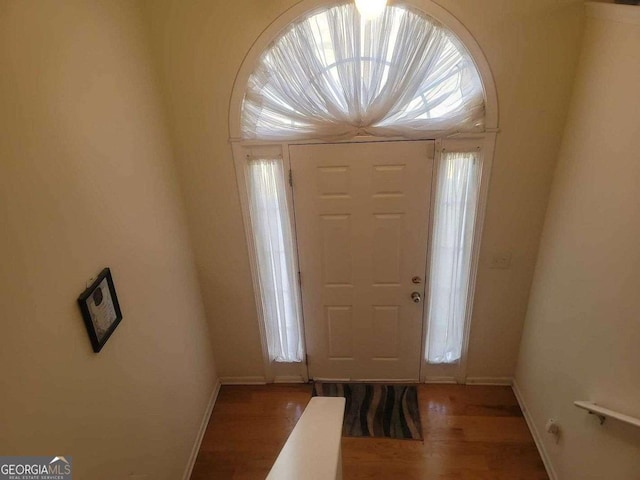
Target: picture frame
x: 100, y: 309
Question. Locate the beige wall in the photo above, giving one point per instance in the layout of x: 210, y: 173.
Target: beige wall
x: 582, y: 334
x: 531, y: 47
x: 87, y: 181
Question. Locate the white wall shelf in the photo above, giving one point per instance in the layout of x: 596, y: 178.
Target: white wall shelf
x: 604, y: 413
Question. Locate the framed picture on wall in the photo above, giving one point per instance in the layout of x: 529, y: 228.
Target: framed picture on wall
x: 100, y: 309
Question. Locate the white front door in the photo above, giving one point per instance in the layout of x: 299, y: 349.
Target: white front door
x: 362, y: 218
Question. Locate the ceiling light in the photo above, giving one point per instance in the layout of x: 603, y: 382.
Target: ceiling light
x: 370, y: 9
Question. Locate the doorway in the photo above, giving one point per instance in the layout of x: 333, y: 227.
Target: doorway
x: 362, y: 221
x: 291, y: 97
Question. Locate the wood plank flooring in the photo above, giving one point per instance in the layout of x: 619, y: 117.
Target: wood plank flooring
x: 471, y: 433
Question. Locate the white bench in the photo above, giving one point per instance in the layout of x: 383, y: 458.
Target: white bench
x: 313, y: 450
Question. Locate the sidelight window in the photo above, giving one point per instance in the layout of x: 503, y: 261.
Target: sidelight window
x: 456, y: 204
x: 275, y: 255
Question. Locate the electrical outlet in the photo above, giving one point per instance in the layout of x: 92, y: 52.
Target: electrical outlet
x: 553, y: 428
x: 501, y: 261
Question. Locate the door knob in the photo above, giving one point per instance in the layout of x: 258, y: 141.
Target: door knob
x: 416, y: 297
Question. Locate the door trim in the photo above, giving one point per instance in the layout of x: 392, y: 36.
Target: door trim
x: 485, y: 142
x: 457, y: 373
x: 273, y: 372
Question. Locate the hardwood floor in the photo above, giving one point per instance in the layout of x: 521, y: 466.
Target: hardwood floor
x: 471, y: 433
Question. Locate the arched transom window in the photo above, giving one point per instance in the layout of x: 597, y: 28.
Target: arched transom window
x: 334, y: 75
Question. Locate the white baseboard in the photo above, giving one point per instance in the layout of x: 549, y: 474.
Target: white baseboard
x: 289, y: 379
x: 365, y: 380
x: 201, y: 432
x: 445, y: 380
x: 243, y: 380
x: 534, y: 432
x: 494, y: 381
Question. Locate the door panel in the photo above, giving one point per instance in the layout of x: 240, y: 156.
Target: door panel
x: 362, y: 216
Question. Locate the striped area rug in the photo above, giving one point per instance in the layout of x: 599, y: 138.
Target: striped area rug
x: 376, y: 410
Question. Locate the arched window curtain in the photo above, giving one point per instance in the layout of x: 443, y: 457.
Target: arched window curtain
x: 333, y: 75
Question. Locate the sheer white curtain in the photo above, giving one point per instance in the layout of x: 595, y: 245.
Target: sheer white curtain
x: 456, y: 203
x: 273, y: 240
x: 334, y: 75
